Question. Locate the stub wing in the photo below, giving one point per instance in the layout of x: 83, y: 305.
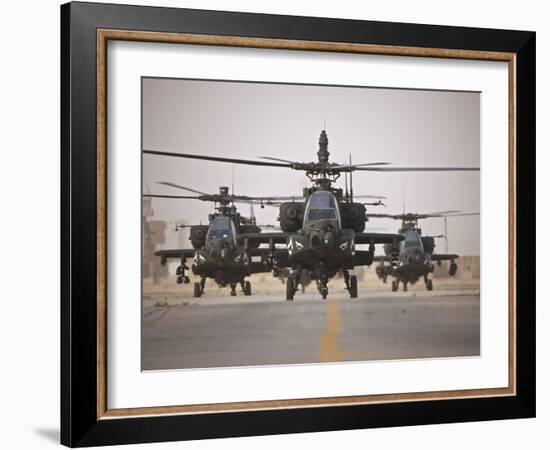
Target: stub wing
x: 258, y: 252
x: 377, y: 238
x: 165, y: 255
x: 261, y: 266
x: 263, y: 238
x: 443, y: 257
x: 280, y: 259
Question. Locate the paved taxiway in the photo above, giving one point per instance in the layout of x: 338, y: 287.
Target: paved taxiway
x: 261, y: 330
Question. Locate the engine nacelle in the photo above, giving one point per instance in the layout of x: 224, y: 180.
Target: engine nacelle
x: 353, y: 216
x: 428, y: 242
x: 197, y: 235
x: 291, y: 216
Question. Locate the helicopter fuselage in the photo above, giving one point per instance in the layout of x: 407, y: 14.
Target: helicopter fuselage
x: 217, y: 255
x: 222, y: 260
x: 321, y: 247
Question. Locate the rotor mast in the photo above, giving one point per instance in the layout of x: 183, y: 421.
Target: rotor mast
x: 322, y: 173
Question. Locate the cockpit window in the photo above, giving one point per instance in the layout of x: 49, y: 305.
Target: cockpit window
x: 320, y: 214
x: 412, y: 239
x: 321, y: 206
x: 220, y: 228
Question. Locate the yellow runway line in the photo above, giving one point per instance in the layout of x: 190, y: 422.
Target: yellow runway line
x: 328, y: 346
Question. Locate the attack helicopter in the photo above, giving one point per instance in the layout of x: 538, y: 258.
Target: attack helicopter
x: 216, y: 252
x: 415, y: 254
x: 322, y: 230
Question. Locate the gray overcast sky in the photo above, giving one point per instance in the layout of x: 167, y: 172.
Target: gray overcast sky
x: 247, y: 120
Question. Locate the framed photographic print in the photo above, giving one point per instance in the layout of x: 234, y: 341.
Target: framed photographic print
x: 276, y: 224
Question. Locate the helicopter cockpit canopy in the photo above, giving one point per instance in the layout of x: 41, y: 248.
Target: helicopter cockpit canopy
x: 322, y: 206
x: 221, y: 228
x: 412, y: 240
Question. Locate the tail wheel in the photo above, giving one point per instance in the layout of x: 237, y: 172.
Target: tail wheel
x: 405, y: 288
x: 430, y: 285
x: 394, y: 286
x: 324, y: 293
x: 247, y: 288
x: 197, y: 290
x: 353, y: 286
x: 289, y: 289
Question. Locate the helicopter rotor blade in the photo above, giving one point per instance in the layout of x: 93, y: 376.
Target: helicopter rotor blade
x: 192, y: 197
x: 377, y: 203
x: 342, y: 167
x: 419, y: 169
x: 371, y: 164
x: 382, y: 216
x: 212, y: 198
x: 377, y: 197
x: 440, y: 213
x: 178, y: 186
x: 278, y: 159
x: 463, y: 214
x: 265, y: 199
x: 351, y: 167
x: 216, y: 158
x: 448, y: 213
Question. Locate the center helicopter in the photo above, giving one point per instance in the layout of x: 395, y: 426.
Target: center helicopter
x: 322, y: 230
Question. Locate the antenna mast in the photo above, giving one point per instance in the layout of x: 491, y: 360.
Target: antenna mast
x: 346, y: 182
x: 350, y: 181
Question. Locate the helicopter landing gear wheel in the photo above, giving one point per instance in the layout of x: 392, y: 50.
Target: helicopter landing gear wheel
x: 289, y: 289
x: 394, y: 286
x: 322, y: 288
x: 247, y: 288
x: 429, y: 285
x: 453, y: 269
x: 197, y: 291
x: 405, y: 288
x: 353, y: 286
x: 233, y: 292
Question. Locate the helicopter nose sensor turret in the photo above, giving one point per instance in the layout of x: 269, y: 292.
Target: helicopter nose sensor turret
x: 323, y: 153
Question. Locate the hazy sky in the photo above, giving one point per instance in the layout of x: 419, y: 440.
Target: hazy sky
x: 247, y: 120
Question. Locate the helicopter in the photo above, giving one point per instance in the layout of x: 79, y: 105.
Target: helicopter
x: 415, y: 253
x: 321, y: 231
x: 215, y: 250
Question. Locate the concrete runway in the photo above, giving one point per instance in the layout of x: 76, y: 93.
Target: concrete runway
x: 264, y: 330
